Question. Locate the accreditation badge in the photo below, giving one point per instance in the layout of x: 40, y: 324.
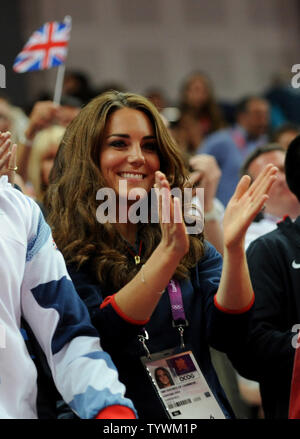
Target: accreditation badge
x: 181, y: 385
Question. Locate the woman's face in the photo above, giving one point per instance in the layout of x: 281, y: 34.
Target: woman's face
x: 162, y: 376
x: 197, y: 93
x: 129, y: 151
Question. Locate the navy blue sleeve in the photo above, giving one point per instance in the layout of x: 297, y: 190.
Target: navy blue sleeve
x: 109, y: 324
x: 224, y: 331
x: 269, y: 350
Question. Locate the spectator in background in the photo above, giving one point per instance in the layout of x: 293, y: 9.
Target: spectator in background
x: 197, y: 98
x: 43, y: 115
x: 5, y: 115
x: 78, y: 85
x: 273, y: 259
x: 44, y: 149
x: 281, y: 200
x: 292, y: 165
x: 205, y: 173
x: 68, y: 109
x: 284, y: 99
x: 230, y: 146
x: 187, y: 132
x: 199, y: 115
x: 157, y: 97
x: 285, y: 134
x: 108, y: 86
x: 12, y: 119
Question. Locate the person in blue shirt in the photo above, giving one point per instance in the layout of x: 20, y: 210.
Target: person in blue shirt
x: 230, y: 146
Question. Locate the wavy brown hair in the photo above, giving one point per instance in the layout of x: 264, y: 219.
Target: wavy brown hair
x: 75, y: 179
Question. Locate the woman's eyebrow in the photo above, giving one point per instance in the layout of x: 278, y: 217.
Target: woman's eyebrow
x: 126, y: 136
x: 119, y: 135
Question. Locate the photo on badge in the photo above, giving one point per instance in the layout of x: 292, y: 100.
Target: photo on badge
x: 181, y: 364
x: 163, y: 377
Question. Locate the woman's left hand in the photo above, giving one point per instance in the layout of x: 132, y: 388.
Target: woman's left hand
x: 245, y: 204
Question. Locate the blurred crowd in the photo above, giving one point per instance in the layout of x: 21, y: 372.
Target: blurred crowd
x: 200, y: 123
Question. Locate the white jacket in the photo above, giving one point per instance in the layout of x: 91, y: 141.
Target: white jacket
x: 34, y: 283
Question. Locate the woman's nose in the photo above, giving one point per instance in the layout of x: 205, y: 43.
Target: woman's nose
x: 136, y: 155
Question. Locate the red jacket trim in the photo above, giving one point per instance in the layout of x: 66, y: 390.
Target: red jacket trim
x: 234, y: 311
x: 116, y: 412
x: 112, y: 301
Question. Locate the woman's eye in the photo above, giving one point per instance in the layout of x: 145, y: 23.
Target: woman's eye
x: 117, y: 143
x: 151, y: 146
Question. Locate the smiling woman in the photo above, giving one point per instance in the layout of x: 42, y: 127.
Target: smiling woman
x: 129, y: 151
x: 121, y: 268
x: 115, y: 135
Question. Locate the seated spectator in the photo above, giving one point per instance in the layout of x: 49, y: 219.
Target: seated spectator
x: 281, y: 200
x: 157, y: 97
x: 273, y: 261
x: 197, y: 98
x: 187, y: 131
x: 12, y: 119
x: 44, y: 149
x: 199, y: 113
x: 205, y: 173
x: 43, y: 115
x: 78, y: 85
x: 68, y: 109
x: 230, y: 146
x: 284, y: 97
x: 285, y: 134
x: 5, y: 115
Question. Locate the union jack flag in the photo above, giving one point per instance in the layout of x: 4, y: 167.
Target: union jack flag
x: 46, y: 48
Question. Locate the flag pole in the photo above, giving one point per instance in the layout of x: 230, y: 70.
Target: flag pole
x: 59, y: 84
x: 60, y: 73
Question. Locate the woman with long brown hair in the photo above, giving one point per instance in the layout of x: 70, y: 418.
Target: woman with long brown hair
x: 126, y: 269
x: 200, y: 113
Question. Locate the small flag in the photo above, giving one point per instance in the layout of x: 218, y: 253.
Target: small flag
x: 46, y: 48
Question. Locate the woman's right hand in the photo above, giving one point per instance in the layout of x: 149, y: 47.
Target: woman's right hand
x: 174, y: 238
